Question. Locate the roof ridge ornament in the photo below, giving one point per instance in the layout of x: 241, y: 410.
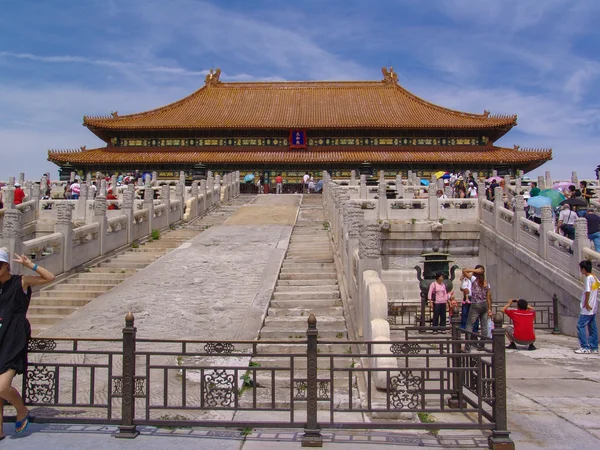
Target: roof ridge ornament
x: 114, y: 114
x: 389, y: 76
x: 486, y: 113
x: 212, y: 77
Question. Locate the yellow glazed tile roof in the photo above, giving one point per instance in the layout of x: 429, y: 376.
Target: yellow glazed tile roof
x: 277, y: 155
x: 306, y: 104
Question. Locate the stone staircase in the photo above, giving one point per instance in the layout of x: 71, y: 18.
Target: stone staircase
x: 57, y: 301
x: 54, y: 303
x: 307, y: 284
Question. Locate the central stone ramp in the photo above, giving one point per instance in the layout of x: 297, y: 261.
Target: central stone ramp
x: 307, y: 284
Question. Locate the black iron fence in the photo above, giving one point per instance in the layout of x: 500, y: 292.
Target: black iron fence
x: 402, y: 314
x: 273, y: 384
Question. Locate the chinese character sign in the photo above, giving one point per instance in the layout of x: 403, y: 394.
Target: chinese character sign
x: 298, y: 139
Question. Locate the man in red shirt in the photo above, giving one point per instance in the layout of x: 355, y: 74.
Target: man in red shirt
x: 19, y: 194
x: 279, y: 183
x: 521, y: 332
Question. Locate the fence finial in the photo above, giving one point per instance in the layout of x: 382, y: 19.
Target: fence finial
x: 129, y: 318
x: 312, y: 320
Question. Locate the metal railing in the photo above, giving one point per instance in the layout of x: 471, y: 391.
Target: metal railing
x: 131, y: 382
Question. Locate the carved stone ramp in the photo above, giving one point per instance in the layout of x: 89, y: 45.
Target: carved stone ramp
x: 215, y: 286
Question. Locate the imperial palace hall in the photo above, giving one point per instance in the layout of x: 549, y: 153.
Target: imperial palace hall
x: 293, y: 127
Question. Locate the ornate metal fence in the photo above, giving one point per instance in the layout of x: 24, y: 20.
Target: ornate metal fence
x: 272, y: 384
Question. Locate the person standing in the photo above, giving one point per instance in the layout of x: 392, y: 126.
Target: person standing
x: 75, y: 190
x: 566, y: 221
x: 587, y: 329
x: 261, y: 183
x: 586, y: 192
x: 15, y: 295
x: 535, y: 190
x: 305, y: 179
x: 279, y: 184
x: 19, y: 194
x: 438, y: 298
x: 481, y: 301
x: 593, y: 225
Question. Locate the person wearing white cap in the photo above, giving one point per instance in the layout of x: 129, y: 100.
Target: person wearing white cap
x: 15, y: 330
x: 19, y: 194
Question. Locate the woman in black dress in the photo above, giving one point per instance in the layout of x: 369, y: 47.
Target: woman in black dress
x: 15, y: 294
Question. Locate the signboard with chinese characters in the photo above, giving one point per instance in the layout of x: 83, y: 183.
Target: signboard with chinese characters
x: 298, y: 139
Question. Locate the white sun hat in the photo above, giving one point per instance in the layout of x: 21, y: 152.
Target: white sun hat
x: 4, y: 256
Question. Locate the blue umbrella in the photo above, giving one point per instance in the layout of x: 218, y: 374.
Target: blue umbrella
x: 319, y: 186
x: 424, y: 182
x: 539, y: 201
x: 446, y: 176
x: 248, y: 178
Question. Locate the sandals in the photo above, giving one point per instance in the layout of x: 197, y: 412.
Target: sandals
x: 21, y: 425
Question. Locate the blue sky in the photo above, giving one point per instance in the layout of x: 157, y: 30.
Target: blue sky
x: 62, y: 59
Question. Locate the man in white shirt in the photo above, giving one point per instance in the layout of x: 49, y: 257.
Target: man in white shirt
x: 566, y: 221
x: 306, y: 177
x: 587, y: 330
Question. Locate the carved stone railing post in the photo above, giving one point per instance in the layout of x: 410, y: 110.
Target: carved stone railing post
x: 519, y: 213
x: 363, y: 190
x: 574, y: 179
x: 382, y: 204
x: 149, y: 203
x: 433, y: 199
x: 154, y: 178
x: 506, y: 184
x: 545, y: 226
x: 494, y: 173
x: 500, y: 438
x: 27, y: 188
x: 203, y: 194
x: 399, y: 186
x: 498, y: 203
x: 369, y: 258
x: 194, y: 194
x: 580, y: 242
x: 541, y: 182
x: 548, y: 179
x: 312, y: 433
x: 22, y: 178
x: 127, y: 430
x: 518, y: 185
x: 113, y: 184
x: 355, y: 220
x: 36, y: 191
x: 100, y: 219
x: 8, y: 197
x: 12, y: 235
x: 128, y: 202
x: 165, y: 199
x: 64, y: 226
x: 72, y: 177
x: 217, y: 189
x: 81, y: 205
x: 102, y: 188
x: 353, y: 181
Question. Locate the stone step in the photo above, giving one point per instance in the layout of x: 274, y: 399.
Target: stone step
x: 299, y: 323
x: 112, y: 281
x: 310, y: 288
x: 304, y: 313
x: 301, y: 362
x: 305, y: 303
x: 307, y: 274
x: 311, y: 259
x: 112, y: 270
x: 295, y: 265
x: 311, y: 294
x: 71, y: 294
x: 315, y: 270
x: 309, y: 253
x: 62, y: 310
x: 44, y: 319
x: 276, y: 333
x: 123, y: 265
x: 52, y: 301
x: 144, y: 249
x: 325, y: 282
x: 64, y: 287
x: 267, y: 348
x: 134, y: 257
